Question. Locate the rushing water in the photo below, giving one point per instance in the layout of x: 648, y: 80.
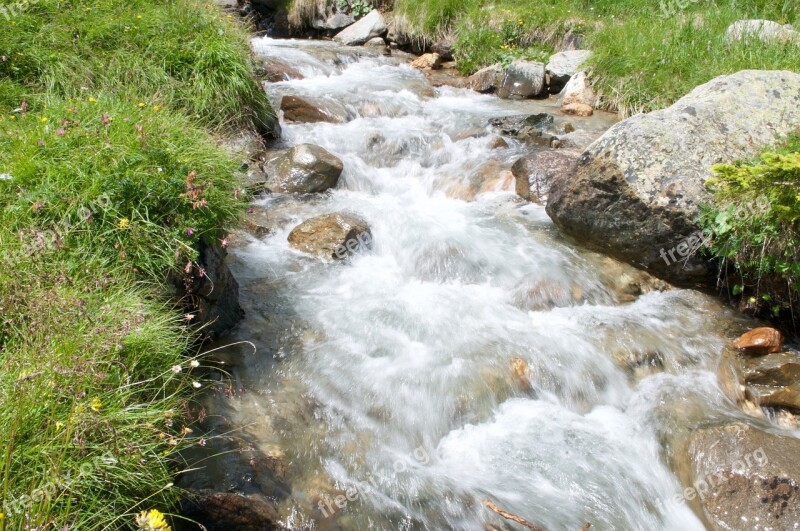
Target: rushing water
x: 398, y: 373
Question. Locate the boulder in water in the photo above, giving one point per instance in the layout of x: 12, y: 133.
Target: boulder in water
x: 534, y: 173
x: 332, y: 236
x: 522, y: 79
x: 487, y: 79
x: 637, y: 190
x: 223, y: 511
x: 303, y: 169
x: 296, y: 109
x: 372, y: 25
x: 742, y: 477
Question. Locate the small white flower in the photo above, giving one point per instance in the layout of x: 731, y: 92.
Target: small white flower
x: 176, y: 369
x: 194, y: 364
x: 196, y: 385
x: 6, y: 177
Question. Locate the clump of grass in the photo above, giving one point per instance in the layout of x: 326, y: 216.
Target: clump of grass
x: 755, y: 219
x: 109, y: 176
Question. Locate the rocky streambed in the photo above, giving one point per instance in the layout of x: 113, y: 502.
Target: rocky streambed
x: 420, y: 339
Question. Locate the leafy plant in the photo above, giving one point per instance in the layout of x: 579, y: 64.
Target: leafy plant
x: 358, y: 8
x: 756, y: 222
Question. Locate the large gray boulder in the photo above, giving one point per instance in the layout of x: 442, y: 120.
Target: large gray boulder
x: 333, y: 22
x: 636, y: 191
x: 523, y: 79
x: 563, y: 66
x: 372, y: 25
x: 739, y: 477
x: 303, y: 169
x: 763, y: 30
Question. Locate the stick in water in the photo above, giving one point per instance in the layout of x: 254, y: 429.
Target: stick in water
x: 508, y: 516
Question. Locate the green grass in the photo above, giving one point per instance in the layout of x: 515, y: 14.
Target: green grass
x: 110, y: 114
x: 644, y: 60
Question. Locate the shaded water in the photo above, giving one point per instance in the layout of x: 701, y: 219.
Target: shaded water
x: 395, y: 378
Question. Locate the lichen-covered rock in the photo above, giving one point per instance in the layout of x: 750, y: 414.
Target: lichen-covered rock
x: 562, y: 66
x: 372, y: 25
x: 763, y: 30
x: 636, y: 191
x: 522, y: 79
x: 486, y: 79
x: 742, y: 478
x: 332, y: 236
x: 303, y: 169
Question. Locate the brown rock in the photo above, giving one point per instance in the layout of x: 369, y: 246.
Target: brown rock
x: 787, y: 397
x: 760, y: 341
x: 427, y: 61
x: 487, y: 79
x: 498, y: 142
x: 297, y: 109
x: 332, y: 236
x: 222, y: 511
x: 303, y: 169
x: 520, y: 373
x: 274, y: 72
x: 778, y: 369
x: 577, y: 109
x: 533, y: 174
x: 740, y: 477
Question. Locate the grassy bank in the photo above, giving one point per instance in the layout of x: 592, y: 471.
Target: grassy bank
x: 109, y: 175
x: 645, y: 57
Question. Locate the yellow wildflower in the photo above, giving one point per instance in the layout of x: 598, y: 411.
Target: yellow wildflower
x: 141, y: 104
x: 156, y: 108
x: 44, y: 119
x: 152, y: 520
x: 96, y: 404
x: 92, y: 100
x: 124, y: 223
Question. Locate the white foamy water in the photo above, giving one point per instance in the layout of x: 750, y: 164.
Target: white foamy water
x: 392, y: 372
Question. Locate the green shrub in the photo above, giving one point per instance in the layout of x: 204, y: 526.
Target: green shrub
x: 755, y: 219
